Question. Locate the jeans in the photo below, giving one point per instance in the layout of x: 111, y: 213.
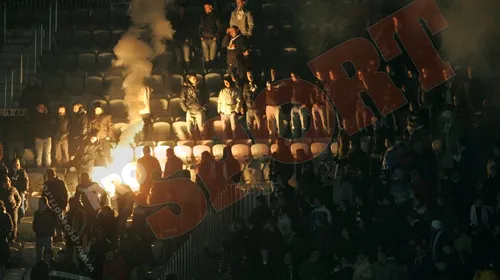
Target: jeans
x: 229, y: 120
x: 209, y: 47
x: 195, y: 121
x: 253, y: 120
x: 319, y: 120
x: 14, y: 150
x: 183, y: 52
x: 273, y: 115
x: 42, y: 150
x: 42, y: 244
x: 61, y: 153
x: 22, y: 209
x: 298, y: 121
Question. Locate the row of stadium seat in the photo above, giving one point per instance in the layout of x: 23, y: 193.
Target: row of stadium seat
x: 79, y: 83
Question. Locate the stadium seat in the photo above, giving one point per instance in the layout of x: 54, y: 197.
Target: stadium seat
x: 174, y: 83
x: 80, y: 17
x: 86, y: 61
x: 118, y: 110
x: 209, y: 143
x: 175, y: 112
x: 113, y: 87
x: 241, y: 153
x: 161, y: 131
x: 73, y: 84
x: 117, y: 128
x: 100, y: 17
x: 179, y: 129
x: 36, y: 180
x: 81, y: 38
x: 15, y: 273
x: 304, y: 140
x: 93, y: 85
x: 53, y: 85
x: 159, y: 107
x: 104, y: 61
x: 260, y: 151
x: 101, y: 39
x: 212, y: 107
x: 317, y: 148
x: 214, y: 83
x: 169, y: 143
x: 68, y: 62
x: 217, y: 129
x: 189, y: 143
x: 185, y: 153
x: 218, y: 151
x: 247, y: 142
x: 140, y: 146
x: 198, y: 150
x: 48, y: 61
x: 334, y: 147
x: 297, y: 146
x: 119, y: 14
x: 116, y: 35
x: 265, y: 141
x: 156, y: 84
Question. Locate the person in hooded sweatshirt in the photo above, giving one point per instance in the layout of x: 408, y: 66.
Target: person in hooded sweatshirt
x: 12, y: 202
x: 44, y: 226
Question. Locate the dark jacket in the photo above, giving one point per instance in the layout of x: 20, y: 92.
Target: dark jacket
x: 250, y: 92
x: 210, y: 26
x: 103, y: 125
x: 236, y: 49
x: 78, y: 124
x: 6, y: 226
x: 183, y: 27
x: 56, y: 193
x: 45, y: 223
x: 61, y: 128
x: 20, y: 180
x: 41, y: 125
x: 80, y: 194
x: 191, y: 99
x: 88, y: 153
x: 11, y: 198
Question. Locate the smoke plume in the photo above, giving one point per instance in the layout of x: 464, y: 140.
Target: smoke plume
x: 135, y: 51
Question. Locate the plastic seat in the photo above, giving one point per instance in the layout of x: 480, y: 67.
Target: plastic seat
x: 113, y: 86
x: 247, y: 142
x: 80, y: 17
x: 297, y: 146
x: 185, y: 153
x: 212, y: 107
x: 104, y: 60
x: 86, y: 61
x: 198, y: 150
x: 214, y: 83
x: 334, y: 147
x: 48, y: 61
x: 100, y: 17
x: 218, y: 151
x: 73, y: 84
x: 68, y: 62
x: 318, y: 148
x: 161, y: 131
x: 94, y: 85
x: 260, y: 151
x: 118, y: 110
x: 168, y: 143
x: 209, y: 143
x: 156, y: 84
x: 189, y: 143
x: 81, y: 38
x: 241, y: 153
x: 175, y: 112
x: 175, y: 83
x: 159, y: 107
x: 63, y: 38
x: 53, y: 84
x: 118, y: 14
x: 116, y: 35
x: 179, y: 128
x: 217, y: 125
x: 101, y: 39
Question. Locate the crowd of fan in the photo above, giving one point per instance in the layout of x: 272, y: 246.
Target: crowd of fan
x: 412, y: 195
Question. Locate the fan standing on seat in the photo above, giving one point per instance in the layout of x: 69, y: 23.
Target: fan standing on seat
x: 102, y: 124
x: 236, y: 52
x: 193, y: 104
x: 229, y: 105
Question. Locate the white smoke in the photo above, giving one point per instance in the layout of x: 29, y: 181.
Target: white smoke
x: 136, y: 55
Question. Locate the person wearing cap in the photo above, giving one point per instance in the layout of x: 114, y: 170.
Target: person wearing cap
x: 237, y: 50
x: 193, y: 104
x: 88, y: 153
x: 229, y: 105
x: 78, y: 127
x: 42, y: 133
x: 103, y: 125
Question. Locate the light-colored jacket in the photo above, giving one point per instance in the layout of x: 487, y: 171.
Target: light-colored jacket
x: 230, y: 101
x: 244, y: 20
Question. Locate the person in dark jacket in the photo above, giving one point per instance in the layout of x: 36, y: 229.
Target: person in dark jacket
x: 209, y: 29
x: 60, y: 136
x: 236, y: 51
x: 20, y: 181
x: 43, y: 142
x: 102, y: 124
x: 44, y: 226
x: 183, y: 27
x: 173, y: 164
x: 80, y: 228
x: 89, y: 154
x: 149, y: 165
x: 92, y: 202
x: 6, y: 228
x: 12, y: 202
x: 54, y: 189
x: 253, y: 111
x: 193, y: 104
x: 78, y: 126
